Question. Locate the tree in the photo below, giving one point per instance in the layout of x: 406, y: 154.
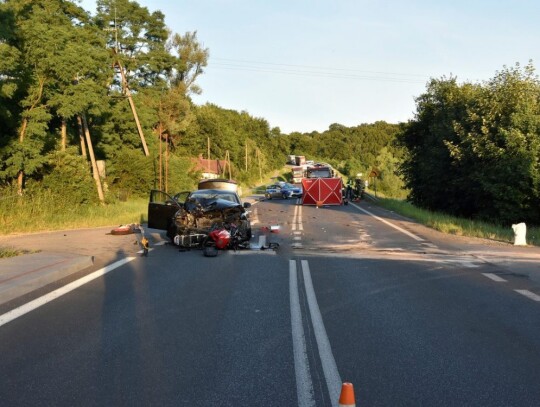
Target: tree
x: 473, y: 149
x: 54, y: 46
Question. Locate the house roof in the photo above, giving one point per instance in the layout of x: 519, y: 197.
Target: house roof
x: 208, y: 166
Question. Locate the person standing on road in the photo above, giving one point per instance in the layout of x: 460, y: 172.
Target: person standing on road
x: 348, y: 190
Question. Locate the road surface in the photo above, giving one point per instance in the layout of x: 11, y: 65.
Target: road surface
x: 353, y: 294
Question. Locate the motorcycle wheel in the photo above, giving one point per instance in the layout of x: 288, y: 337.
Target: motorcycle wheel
x: 210, y: 251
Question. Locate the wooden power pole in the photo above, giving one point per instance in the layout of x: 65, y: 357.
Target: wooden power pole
x: 125, y: 87
x: 95, y: 171
x: 132, y: 105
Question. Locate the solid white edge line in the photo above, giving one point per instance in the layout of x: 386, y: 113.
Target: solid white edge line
x: 495, y: 277
x: 529, y: 294
x: 38, y: 302
x: 419, y: 239
x: 331, y: 374
x: 304, y: 385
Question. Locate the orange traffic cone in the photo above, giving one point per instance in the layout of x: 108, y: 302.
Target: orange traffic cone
x: 346, y: 398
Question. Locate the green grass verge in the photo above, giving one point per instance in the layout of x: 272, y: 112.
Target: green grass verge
x: 6, y: 252
x: 27, y: 217
x: 457, y: 226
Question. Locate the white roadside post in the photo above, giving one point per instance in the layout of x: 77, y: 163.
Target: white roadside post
x: 520, y: 232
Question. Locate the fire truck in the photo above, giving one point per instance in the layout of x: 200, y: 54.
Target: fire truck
x: 297, y: 174
x: 321, y: 186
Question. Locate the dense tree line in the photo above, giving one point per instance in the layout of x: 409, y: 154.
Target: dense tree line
x: 116, y: 86
x: 68, y: 81
x: 473, y: 149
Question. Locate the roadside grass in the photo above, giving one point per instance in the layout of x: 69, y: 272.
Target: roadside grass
x: 6, y: 252
x: 457, y: 226
x: 39, y: 215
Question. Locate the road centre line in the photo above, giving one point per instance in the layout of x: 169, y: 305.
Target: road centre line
x: 495, y: 277
x: 417, y: 238
x: 304, y: 385
x: 38, y: 302
x: 331, y: 374
x: 529, y: 294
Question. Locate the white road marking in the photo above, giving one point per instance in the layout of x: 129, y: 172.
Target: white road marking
x: 430, y: 245
x: 142, y: 251
x: 297, y: 245
x: 295, y: 214
x: 251, y: 252
x: 161, y: 243
x: 495, y: 277
x: 529, y: 294
x: 255, y: 218
x: 304, y: 385
x: 417, y: 238
x: 331, y: 374
x: 38, y: 302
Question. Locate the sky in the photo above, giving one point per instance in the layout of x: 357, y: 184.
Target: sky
x: 305, y: 64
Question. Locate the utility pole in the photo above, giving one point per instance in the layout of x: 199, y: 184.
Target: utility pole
x: 125, y: 87
x: 95, y: 171
x: 81, y: 136
x: 259, y: 160
x: 160, y: 159
x: 208, y: 162
x: 167, y: 162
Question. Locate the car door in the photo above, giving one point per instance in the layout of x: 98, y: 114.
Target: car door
x: 162, y: 207
x: 276, y: 192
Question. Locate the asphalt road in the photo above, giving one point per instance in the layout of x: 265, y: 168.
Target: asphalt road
x: 411, y: 317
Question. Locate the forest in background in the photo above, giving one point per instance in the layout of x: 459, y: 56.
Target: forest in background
x: 112, y: 89
x: 69, y: 79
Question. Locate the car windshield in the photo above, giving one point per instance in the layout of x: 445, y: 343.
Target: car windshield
x: 214, y: 194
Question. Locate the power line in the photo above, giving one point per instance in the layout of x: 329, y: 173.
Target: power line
x: 232, y: 67
x: 308, y: 70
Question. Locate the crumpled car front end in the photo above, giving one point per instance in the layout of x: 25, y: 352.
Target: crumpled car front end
x: 198, y: 217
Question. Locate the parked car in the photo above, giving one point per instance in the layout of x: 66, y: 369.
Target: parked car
x: 283, y: 190
x: 188, y: 217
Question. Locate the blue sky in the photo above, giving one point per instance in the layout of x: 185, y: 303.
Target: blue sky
x: 303, y: 65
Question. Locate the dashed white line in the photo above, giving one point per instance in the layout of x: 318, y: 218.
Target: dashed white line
x: 495, y: 277
x: 529, y: 294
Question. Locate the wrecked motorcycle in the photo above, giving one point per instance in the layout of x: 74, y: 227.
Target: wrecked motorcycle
x: 210, y: 219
